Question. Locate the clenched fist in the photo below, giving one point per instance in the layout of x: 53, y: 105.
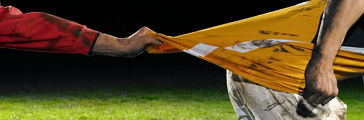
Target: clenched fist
x: 125, y: 47
x: 321, y: 83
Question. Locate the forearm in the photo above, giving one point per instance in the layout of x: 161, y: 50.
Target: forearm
x: 110, y: 45
x: 338, y: 17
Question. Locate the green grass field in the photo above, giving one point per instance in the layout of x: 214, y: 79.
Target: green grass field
x: 133, y: 97
x: 352, y: 93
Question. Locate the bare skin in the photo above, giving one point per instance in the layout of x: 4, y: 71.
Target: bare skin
x: 321, y: 83
x: 124, y: 47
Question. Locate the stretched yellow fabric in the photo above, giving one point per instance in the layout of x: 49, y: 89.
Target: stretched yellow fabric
x: 272, y: 49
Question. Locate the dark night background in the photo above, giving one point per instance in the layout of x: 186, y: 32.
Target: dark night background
x: 122, y: 18
x: 24, y: 73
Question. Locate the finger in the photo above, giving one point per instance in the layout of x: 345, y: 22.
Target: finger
x: 154, y: 41
x: 327, y: 100
x: 305, y: 93
x: 312, y: 99
x: 321, y: 98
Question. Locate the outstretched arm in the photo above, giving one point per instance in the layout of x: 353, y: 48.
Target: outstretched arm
x: 43, y: 32
x: 339, y: 16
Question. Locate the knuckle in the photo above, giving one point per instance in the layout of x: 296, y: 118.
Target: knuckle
x: 321, y: 90
x: 145, y: 29
x: 336, y: 92
x: 328, y: 93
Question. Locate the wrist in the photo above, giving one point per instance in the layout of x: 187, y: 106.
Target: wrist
x: 105, y: 44
x: 320, y: 63
x: 324, y: 53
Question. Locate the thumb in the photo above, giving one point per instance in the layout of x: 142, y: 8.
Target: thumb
x: 154, y: 41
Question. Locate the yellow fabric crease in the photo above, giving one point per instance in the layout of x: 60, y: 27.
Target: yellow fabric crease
x: 272, y: 49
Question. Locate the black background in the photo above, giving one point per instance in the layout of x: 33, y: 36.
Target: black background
x: 122, y: 18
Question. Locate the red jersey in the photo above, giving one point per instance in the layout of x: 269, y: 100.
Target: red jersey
x: 36, y: 31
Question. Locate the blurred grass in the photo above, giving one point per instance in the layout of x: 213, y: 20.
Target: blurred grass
x: 131, y: 95
x: 136, y: 96
x: 351, y: 91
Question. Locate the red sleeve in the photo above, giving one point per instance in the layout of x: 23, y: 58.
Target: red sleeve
x: 43, y: 32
